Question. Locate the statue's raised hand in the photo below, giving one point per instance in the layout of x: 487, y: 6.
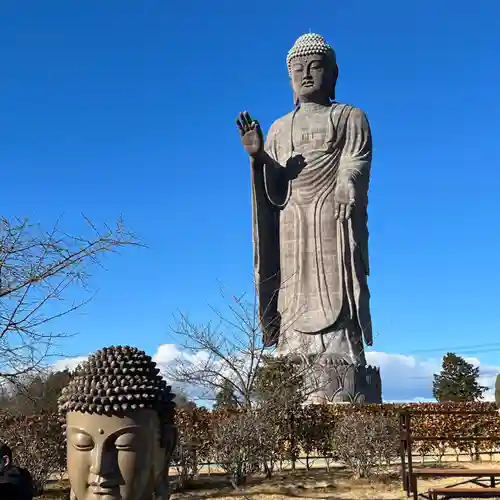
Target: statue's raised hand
x: 251, y: 134
x: 345, y: 200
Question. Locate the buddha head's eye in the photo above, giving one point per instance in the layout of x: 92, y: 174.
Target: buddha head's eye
x: 81, y: 441
x: 127, y: 442
x: 315, y: 65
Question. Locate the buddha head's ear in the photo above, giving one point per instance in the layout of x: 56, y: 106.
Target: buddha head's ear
x: 171, y: 436
x: 295, y: 98
x: 168, y: 443
x: 334, y: 80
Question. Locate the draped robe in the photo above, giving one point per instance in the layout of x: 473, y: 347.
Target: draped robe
x: 310, y: 268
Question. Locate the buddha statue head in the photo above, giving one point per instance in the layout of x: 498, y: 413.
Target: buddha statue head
x: 313, y: 70
x: 118, y: 417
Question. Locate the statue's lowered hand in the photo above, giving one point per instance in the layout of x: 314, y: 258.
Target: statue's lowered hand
x: 345, y: 200
x: 294, y: 165
x: 251, y: 134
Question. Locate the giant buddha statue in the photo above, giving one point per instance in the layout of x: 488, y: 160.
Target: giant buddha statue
x: 310, y: 180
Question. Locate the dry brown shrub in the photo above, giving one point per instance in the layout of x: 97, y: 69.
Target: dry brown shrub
x: 37, y: 444
x: 365, y: 443
x: 193, y: 444
x: 242, y: 443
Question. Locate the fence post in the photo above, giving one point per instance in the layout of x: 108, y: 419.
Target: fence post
x: 411, y: 479
x: 402, y: 447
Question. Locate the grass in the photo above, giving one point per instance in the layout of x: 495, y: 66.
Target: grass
x: 337, y: 484
x: 56, y: 490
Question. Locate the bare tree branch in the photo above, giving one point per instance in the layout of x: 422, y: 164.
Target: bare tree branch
x: 230, y: 354
x: 37, y: 270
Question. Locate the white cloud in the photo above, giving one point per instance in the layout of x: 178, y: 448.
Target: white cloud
x: 404, y: 378
x: 409, y: 378
x: 68, y: 363
x: 168, y: 353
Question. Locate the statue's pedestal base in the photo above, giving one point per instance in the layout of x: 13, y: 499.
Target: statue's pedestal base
x: 344, y: 383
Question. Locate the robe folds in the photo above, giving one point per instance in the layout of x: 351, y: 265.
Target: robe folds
x: 310, y: 268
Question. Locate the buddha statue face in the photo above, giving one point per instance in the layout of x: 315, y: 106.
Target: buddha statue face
x: 118, y: 416
x: 313, y: 69
x: 312, y: 78
x: 112, y: 457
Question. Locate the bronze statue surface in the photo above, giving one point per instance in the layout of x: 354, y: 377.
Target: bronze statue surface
x: 310, y: 181
x: 118, y: 416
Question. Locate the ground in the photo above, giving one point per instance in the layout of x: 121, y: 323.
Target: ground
x: 337, y: 484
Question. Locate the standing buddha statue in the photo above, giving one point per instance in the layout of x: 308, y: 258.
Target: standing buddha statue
x: 310, y: 180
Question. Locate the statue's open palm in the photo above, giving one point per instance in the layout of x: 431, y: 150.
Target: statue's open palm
x: 345, y: 200
x: 251, y: 134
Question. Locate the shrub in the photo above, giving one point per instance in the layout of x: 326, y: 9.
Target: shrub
x: 243, y: 442
x: 363, y: 437
x: 193, y: 444
x: 37, y: 444
x: 365, y: 442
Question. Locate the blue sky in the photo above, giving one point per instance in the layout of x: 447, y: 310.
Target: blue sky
x: 128, y: 107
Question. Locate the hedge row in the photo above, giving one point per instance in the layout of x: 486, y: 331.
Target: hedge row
x: 312, y: 424
x: 38, y: 443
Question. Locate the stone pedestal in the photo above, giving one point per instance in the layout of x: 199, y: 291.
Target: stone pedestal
x: 344, y: 383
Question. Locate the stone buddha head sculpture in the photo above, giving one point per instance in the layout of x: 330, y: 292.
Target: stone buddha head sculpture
x: 313, y: 70
x: 118, y: 416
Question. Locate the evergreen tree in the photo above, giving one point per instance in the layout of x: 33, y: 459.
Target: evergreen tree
x: 458, y: 381
x: 37, y: 393
x: 278, y: 378
x: 182, y: 400
x: 225, y: 397
x: 280, y: 390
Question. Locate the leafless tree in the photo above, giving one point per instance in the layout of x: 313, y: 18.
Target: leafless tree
x: 34, y: 392
x: 38, y: 269
x: 223, y: 355
x: 227, y: 355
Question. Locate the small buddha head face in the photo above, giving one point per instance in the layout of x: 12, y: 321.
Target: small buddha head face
x: 112, y: 456
x: 313, y: 69
x: 118, y: 418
